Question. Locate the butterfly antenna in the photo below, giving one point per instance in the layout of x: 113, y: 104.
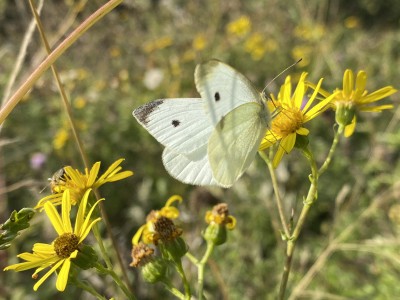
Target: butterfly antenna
x: 292, y: 65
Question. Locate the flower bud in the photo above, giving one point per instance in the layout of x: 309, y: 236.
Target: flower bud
x: 215, y: 234
x: 154, y: 270
x: 344, y: 113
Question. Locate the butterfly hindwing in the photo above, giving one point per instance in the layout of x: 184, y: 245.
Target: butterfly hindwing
x: 193, y: 168
x: 235, y: 141
x: 223, y: 89
x: 180, y: 124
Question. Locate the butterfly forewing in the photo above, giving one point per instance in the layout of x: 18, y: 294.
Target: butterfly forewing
x: 180, y: 124
x: 223, y: 89
x: 235, y: 141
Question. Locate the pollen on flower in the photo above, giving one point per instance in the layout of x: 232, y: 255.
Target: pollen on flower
x: 65, y: 244
x: 288, y: 121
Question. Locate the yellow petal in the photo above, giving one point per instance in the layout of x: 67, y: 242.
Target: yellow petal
x: 379, y: 94
x: 349, y: 129
x: 278, y: 157
x: 313, y: 96
x: 51, y: 271
x: 173, y: 199
x: 288, y: 142
x: 361, y: 83
x: 302, y: 131
x: 54, y: 217
x: 348, y: 82
x: 299, y: 93
x: 138, y: 234
x: 94, y: 171
x: 80, y: 216
x: 62, y: 277
x: 65, y: 211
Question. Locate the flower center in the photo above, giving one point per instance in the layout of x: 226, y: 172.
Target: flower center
x: 166, y: 229
x: 288, y: 121
x: 65, y: 244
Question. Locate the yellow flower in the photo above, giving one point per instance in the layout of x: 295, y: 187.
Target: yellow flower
x: 159, y: 225
x: 158, y: 44
x: 239, y: 27
x: 199, y: 42
x: 294, y: 110
x: 310, y: 31
x: 220, y: 215
x: 78, y: 183
x: 354, y: 97
x: 58, y: 255
x: 60, y: 139
x: 352, y: 22
x: 303, y: 51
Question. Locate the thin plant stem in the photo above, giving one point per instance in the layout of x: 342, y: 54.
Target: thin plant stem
x: 53, y: 56
x: 200, y: 269
x: 291, y: 243
x: 277, y: 193
x: 21, y: 55
x: 107, y: 223
x: 103, y: 251
x: 332, y: 150
x: 88, y: 288
x: 61, y: 89
x: 117, y: 280
x: 192, y: 258
x: 173, y: 290
x: 186, y: 286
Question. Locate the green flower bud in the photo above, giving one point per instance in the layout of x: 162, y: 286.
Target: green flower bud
x: 174, y: 249
x: 344, y: 113
x: 154, y: 271
x: 215, y: 234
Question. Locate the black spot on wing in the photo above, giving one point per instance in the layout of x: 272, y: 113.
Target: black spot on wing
x: 143, y: 112
x: 175, y: 123
x: 217, y: 96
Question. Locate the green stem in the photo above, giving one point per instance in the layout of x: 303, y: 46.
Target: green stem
x: 68, y: 42
x: 173, y: 290
x: 116, y: 279
x: 277, y: 193
x: 200, y: 269
x: 192, y: 258
x: 88, y: 288
x: 186, y: 286
x: 103, y: 251
x: 291, y: 244
x: 332, y: 150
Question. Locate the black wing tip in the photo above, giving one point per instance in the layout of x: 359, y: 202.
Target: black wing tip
x: 143, y: 112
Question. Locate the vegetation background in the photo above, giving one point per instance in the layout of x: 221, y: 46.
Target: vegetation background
x: 145, y: 50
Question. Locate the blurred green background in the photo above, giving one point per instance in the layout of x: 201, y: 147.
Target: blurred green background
x: 145, y: 50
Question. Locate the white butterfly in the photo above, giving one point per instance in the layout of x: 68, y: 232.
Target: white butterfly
x: 210, y: 140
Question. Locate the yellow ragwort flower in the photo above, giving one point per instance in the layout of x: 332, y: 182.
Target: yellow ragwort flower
x: 294, y: 110
x: 239, y: 27
x: 58, y: 255
x: 159, y: 225
x: 354, y: 97
x: 78, y: 183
